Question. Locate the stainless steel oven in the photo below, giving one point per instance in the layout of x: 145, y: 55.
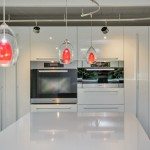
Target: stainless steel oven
x: 53, y: 85
x: 102, y: 74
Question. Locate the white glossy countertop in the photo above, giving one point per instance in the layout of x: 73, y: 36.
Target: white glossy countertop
x: 75, y: 131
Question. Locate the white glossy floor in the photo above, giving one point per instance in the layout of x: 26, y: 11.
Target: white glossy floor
x: 75, y: 131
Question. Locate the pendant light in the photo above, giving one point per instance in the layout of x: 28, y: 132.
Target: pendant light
x: 65, y: 51
x: 91, y: 53
x: 8, y: 44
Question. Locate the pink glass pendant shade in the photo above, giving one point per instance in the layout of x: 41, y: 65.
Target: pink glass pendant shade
x: 65, y: 53
x: 91, y: 55
x: 8, y: 46
x: 5, y: 52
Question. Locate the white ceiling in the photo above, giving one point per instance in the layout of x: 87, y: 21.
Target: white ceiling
x: 74, y: 3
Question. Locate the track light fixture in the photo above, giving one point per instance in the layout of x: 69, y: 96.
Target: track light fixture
x: 105, y: 30
x: 36, y: 29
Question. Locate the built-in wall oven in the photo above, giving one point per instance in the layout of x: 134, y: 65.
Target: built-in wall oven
x: 102, y: 74
x: 52, y: 83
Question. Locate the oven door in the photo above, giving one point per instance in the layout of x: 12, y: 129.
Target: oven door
x: 53, y: 86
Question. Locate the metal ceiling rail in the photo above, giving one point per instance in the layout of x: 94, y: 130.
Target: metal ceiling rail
x: 75, y: 20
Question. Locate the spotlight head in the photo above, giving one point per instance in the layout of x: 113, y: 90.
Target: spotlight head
x: 105, y: 30
x: 36, y: 29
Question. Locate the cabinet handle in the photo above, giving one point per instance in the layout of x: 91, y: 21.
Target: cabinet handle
x: 46, y: 71
x: 55, y: 108
x: 103, y: 91
x: 102, y: 108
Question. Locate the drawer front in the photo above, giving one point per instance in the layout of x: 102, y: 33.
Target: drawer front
x: 54, y: 108
x: 101, y: 96
x: 100, y: 108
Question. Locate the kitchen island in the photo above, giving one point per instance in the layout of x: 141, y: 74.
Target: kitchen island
x: 75, y: 131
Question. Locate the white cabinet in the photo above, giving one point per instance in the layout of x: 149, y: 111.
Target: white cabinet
x: 8, y: 95
x: 54, y: 108
x: 46, y: 44
x: 136, y: 56
x: 103, y: 96
x: 23, y: 71
x: 1, y: 79
x: 136, y: 72
x: 143, y: 78
x: 130, y: 76
x: 149, y: 83
x: 112, y: 47
x: 100, y: 108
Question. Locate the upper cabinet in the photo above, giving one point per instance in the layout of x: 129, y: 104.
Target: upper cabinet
x: 108, y: 45
x: 45, y: 44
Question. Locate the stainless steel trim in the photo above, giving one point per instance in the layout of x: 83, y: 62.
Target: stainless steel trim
x: 100, y: 69
x: 52, y: 70
x: 53, y: 100
x: 103, y: 85
x: 101, y: 108
x: 56, y: 108
x: 101, y: 91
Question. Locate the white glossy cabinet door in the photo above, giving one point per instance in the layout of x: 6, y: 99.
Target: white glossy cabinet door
x: 143, y: 79
x: 54, y: 108
x: 136, y: 72
x: 1, y: 87
x: 130, y: 76
x: 23, y: 71
x: 103, y: 96
x: 112, y: 47
x: 100, y: 108
x: 42, y: 47
x: 8, y: 96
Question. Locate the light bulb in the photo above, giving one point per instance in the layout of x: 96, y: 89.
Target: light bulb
x: 6, y: 52
x: 91, y: 58
x: 91, y: 55
x: 66, y: 56
x: 8, y: 46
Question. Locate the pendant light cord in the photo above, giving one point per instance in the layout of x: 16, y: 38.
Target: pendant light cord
x: 3, y: 11
x: 66, y: 21
x: 4, y: 16
x: 91, y: 32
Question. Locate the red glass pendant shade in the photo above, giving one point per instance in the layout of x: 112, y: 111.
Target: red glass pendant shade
x: 91, y: 58
x: 91, y: 55
x: 5, y: 52
x: 66, y: 56
x: 65, y: 52
x: 8, y: 46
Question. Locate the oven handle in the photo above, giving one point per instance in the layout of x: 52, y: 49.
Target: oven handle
x: 52, y: 71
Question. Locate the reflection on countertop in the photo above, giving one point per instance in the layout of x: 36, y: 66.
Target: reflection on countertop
x: 65, y: 131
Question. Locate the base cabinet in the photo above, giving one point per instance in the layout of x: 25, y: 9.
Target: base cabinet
x: 54, y: 108
x: 101, y: 96
x: 100, y: 108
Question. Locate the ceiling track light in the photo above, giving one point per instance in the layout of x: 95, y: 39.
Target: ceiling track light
x: 105, y: 29
x: 36, y: 28
x: 8, y: 44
